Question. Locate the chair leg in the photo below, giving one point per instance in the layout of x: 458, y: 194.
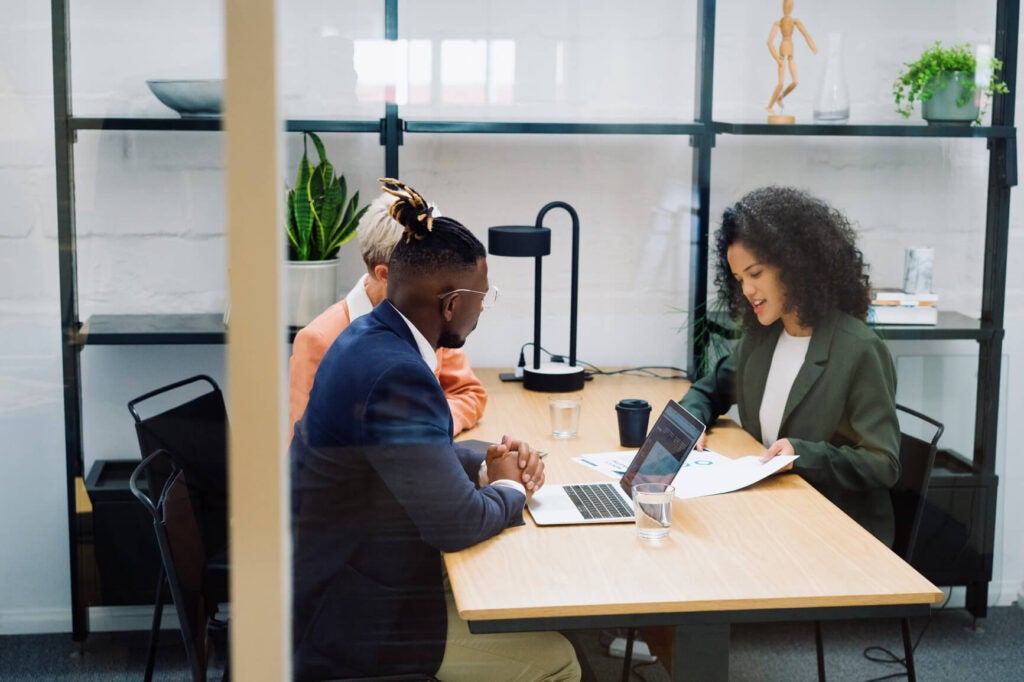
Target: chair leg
x: 627, y: 660
x: 908, y: 650
x: 219, y: 640
x: 154, y: 630
x: 819, y: 646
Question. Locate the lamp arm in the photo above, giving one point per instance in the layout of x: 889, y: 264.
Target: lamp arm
x: 537, y: 267
x: 574, y: 283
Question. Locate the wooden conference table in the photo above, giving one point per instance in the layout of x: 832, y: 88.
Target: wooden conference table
x: 777, y: 551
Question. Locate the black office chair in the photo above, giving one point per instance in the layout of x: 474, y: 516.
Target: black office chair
x: 182, y: 554
x: 192, y: 429
x: 917, y: 457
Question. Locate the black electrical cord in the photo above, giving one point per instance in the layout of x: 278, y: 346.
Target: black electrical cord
x: 635, y: 668
x: 645, y: 371
x: 880, y: 654
x: 594, y: 370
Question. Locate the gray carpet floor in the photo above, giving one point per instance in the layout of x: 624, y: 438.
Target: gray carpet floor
x: 953, y: 648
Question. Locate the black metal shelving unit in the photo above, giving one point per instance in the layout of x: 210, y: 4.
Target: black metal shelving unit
x: 149, y: 330
x: 702, y: 131
x: 215, y: 123
x: 865, y: 130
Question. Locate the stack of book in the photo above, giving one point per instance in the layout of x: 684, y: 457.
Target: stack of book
x: 892, y: 306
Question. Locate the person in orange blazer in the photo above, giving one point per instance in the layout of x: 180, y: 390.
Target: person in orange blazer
x: 378, y: 233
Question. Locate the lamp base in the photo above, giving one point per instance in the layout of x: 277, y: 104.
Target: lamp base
x: 554, y: 377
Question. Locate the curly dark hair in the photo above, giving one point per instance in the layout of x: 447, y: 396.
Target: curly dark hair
x: 812, y: 245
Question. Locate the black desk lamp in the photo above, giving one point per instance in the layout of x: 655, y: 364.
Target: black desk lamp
x: 535, y: 241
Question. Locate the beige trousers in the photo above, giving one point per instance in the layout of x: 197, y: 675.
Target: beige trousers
x: 505, y: 657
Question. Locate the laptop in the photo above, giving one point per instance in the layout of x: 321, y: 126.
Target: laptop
x: 657, y: 461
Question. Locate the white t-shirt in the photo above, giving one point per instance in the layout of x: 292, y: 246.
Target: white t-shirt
x: 786, y: 362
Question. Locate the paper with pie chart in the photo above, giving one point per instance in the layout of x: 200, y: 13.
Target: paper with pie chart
x: 704, y: 473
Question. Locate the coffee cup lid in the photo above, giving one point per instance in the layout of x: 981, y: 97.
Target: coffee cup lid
x: 633, y: 404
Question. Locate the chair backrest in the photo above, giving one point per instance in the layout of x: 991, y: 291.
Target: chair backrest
x: 181, y: 551
x: 917, y: 457
x: 194, y: 433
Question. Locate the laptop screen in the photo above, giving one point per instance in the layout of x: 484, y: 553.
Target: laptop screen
x: 666, y: 448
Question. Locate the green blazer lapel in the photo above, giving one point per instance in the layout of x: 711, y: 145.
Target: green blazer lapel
x: 813, y: 367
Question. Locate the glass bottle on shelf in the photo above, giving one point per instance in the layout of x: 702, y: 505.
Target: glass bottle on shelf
x: 833, y: 102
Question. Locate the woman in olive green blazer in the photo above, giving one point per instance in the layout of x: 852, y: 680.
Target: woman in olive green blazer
x: 788, y: 268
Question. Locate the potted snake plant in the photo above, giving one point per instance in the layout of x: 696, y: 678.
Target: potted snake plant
x: 320, y: 218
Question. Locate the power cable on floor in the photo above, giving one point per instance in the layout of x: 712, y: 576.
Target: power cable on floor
x: 880, y: 654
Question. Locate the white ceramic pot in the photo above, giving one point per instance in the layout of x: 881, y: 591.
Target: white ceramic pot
x: 312, y: 288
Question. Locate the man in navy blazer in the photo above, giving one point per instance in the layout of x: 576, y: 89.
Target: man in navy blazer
x: 379, y: 489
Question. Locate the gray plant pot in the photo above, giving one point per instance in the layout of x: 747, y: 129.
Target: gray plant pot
x: 942, y: 108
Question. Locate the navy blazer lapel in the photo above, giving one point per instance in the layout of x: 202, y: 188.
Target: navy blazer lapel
x: 388, y: 315
x: 813, y: 367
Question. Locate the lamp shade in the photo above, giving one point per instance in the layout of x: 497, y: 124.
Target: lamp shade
x: 519, y: 240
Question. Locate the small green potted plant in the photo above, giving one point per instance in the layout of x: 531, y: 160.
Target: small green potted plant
x: 942, y: 79
x: 320, y: 218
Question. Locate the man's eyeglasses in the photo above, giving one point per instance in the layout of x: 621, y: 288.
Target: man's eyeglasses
x: 490, y: 297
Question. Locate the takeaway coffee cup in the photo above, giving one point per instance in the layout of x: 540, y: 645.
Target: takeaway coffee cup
x: 633, y: 417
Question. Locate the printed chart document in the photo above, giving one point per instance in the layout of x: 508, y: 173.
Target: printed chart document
x: 704, y: 473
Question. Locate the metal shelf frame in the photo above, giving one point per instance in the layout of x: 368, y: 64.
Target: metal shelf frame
x: 866, y: 130
x: 215, y: 123
x: 702, y: 131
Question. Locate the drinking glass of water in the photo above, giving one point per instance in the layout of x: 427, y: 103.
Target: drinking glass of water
x: 652, y: 504
x: 565, y: 415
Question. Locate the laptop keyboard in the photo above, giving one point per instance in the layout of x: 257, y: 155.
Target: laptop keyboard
x: 598, y: 501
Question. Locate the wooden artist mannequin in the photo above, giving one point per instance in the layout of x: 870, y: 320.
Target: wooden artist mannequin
x: 784, y: 55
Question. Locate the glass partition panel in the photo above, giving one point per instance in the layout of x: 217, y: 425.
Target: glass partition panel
x: 34, y: 507
x: 540, y: 61
x: 326, y: 69
x: 633, y: 198
x: 873, y: 53
x: 119, y: 45
x: 864, y: 178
